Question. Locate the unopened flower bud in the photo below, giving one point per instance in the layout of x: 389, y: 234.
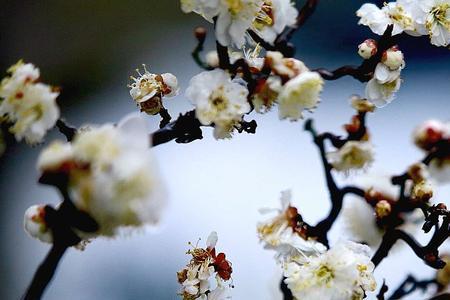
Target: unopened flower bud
x: 212, y: 59
x: 382, y: 209
x: 422, y: 191
x: 367, y: 49
x: 443, y: 275
x: 200, y: 33
x: 429, y: 133
x: 418, y: 172
x: 170, y: 85
x: 361, y: 104
x: 35, y: 225
x: 393, y: 59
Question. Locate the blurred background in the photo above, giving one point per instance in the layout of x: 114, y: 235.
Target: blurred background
x: 90, y: 48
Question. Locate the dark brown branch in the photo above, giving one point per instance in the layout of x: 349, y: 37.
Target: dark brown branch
x: 410, y: 285
x: 427, y: 253
x: 68, y: 131
x: 60, y: 222
x: 363, y: 72
x: 383, y: 290
x: 287, y: 294
x: 304, y: 14
x: 200, y: 34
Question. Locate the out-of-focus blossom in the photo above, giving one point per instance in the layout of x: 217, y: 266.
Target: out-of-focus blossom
x: 354, y: 155
x: 298, y: 94
x: 274, y: 17
x: 112, y: 174
x: 35, y: 224
x: 282, y: 233
x: 30, y: 106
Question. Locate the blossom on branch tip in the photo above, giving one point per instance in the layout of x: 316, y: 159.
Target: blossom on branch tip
x: 298, y: 94
x: 343, y: 272
x: 353, y: 155
x: 218, y: 100
x: 233, y: 17
x: 207, y: 275
x: 367, y: 49
x: 35, y: 224
x: 284, y: 233
x: 274, y: 17
x: 416, y: 18
x: 30, y: 106
x: 386, y: 80
x: 148, y: 90
x: 112, y: 175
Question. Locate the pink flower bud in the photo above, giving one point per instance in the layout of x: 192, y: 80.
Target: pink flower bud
x: 367, y: 49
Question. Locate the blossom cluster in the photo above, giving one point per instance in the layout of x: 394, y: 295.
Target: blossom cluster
x: 233, y: 18
x: 416, y: 18
x: 222, y: 100
x: 386, y: 80
x: 111, y: 175
x: 27, y: 104
x: 208, y: 275
x: 311, y: 271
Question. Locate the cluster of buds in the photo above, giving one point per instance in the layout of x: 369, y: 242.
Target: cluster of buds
x: 422, y: 190
x: 149, y: 89
x: 386, y: 79
x: 204, y: 267
x: 381, y: 202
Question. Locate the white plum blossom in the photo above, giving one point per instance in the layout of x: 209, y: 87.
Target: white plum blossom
x: 28, y: 105
x: 343, y: 272
x: 148, y: 90
x: 218, y: 100
x: 436, y: 18
x: 208, y: 9
x: 353, y: 155
x: 386, y: 80
x: 425, y: 17
x: 35, y: 224
x: 233, y: 17
x: 298, y: 94
x: 284, y: 67
x: 113, y: 176
x: 401, y: 14
x: 274, y: 17
x: 207, y: 274
x: 279, y: 234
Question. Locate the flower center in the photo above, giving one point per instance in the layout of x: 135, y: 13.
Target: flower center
x: 324, y: 274
x: 218, y: 100
x: 398, y: 15
x: 265, y: 16
x: 439, y: 14
x: 235, y: 6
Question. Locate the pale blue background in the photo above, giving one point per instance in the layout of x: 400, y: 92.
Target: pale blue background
x: 91, y: 47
